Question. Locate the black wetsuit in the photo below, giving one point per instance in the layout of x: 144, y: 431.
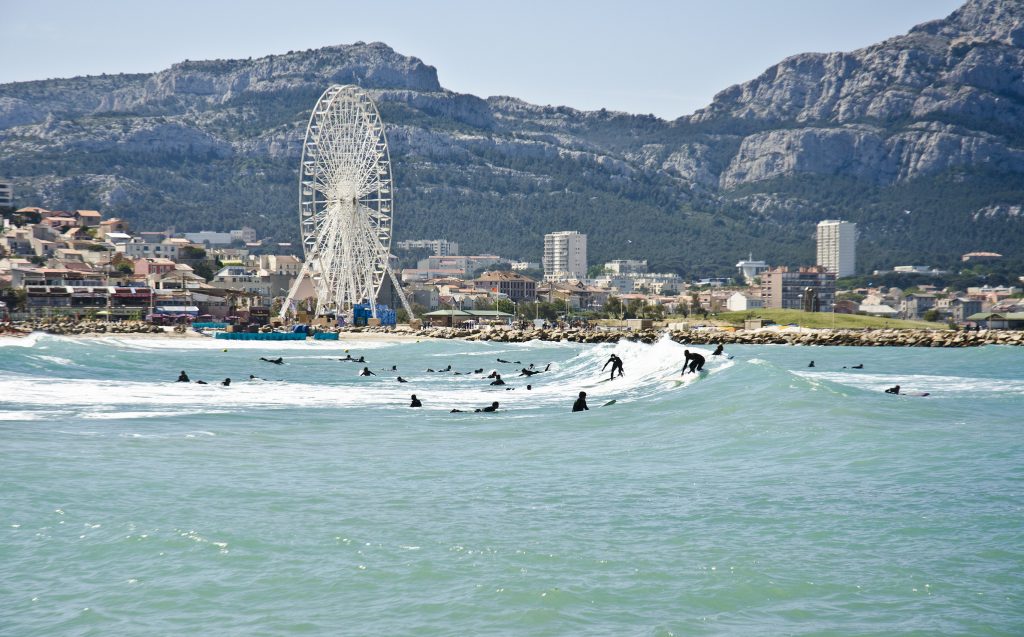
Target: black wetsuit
x: 416, y: 402
x: 580, y: 404
x: 696, y: 362
x: 183, y: 377
x: 616, y: 366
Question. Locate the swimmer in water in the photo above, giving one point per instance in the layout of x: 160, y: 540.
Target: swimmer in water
x: 497, y: 380
x: 493, y: 407
x: 415, y: 402
x: 366, y: 372
x: 581, y: 403
x: 893, y: 390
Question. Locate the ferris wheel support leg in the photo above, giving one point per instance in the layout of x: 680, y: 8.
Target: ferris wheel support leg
x: 401, y: 294
x: 293, y: 291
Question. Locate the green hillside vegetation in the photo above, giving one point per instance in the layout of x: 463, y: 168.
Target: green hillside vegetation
x: 819, y: 320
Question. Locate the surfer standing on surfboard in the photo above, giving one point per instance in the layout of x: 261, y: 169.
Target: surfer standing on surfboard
x: 616, y: 365
x: 695, y: 361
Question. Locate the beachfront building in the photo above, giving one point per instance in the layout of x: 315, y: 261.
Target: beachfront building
x: 626, y: 266
x: 740, y: 302
x: 245, y: 234
x: 837, y: 246
x: 438, y: 247
x: 565, y: 256
x: 509, y: 284
x: 137, y: 248
x: 457, y: 266
x: 209, y: 238
x: 915, y: 305
x: 782, y: 288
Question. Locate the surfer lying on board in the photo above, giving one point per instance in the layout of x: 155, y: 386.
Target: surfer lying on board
x: 493, y: 407
x: 616, y: 365
x: 276, y: 361
x: 893, y: 390
x: 695, y: 361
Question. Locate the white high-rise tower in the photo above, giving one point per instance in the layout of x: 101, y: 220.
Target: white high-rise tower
x: 837, y: 246
x: 565, y: 255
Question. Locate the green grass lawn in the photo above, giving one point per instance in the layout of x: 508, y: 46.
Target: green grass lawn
x: 825, y: 319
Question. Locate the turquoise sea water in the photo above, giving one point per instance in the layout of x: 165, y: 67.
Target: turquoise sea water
x: 765, y: 498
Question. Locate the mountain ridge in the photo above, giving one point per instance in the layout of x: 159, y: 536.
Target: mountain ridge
x: 938, y: 105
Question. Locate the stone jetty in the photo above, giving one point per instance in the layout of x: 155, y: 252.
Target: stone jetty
x: 862, y: 338
x: 67, y: 326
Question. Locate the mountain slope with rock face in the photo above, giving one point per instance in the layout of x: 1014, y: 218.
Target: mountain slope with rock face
x: 914, y: 138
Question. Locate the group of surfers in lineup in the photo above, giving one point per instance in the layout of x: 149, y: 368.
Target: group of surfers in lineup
x: 692, y: 363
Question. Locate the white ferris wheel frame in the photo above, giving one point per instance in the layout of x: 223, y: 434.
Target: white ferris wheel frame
x: 345, y: 203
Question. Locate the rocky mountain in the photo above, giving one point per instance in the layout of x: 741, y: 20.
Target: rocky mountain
x: 920, y: 139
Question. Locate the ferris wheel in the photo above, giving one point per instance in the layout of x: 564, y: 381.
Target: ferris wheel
x: 345, y: 203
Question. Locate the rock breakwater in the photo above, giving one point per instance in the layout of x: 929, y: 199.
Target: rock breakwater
x: 862, y: 338
x: 73, y: 327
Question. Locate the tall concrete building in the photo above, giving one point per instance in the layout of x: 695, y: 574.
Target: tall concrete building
x: 837, y: 246
x: 787, y: 289
x: 7, y: 193
x: 565, y: 256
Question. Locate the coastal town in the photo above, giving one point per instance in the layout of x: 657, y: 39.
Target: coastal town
x: 79, y: 265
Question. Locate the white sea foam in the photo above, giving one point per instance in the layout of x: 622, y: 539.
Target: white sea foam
x: 936, y: 385
x: 21, y: 415
x: 650, y: 369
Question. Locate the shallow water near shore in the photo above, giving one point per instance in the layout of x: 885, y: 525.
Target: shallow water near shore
x: 762, y: 497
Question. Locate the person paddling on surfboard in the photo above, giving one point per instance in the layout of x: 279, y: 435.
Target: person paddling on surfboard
x: 893, y: 390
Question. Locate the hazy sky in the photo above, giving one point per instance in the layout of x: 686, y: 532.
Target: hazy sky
x: 641, y: 56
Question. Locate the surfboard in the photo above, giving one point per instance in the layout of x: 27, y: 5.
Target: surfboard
x: 610, y: 402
